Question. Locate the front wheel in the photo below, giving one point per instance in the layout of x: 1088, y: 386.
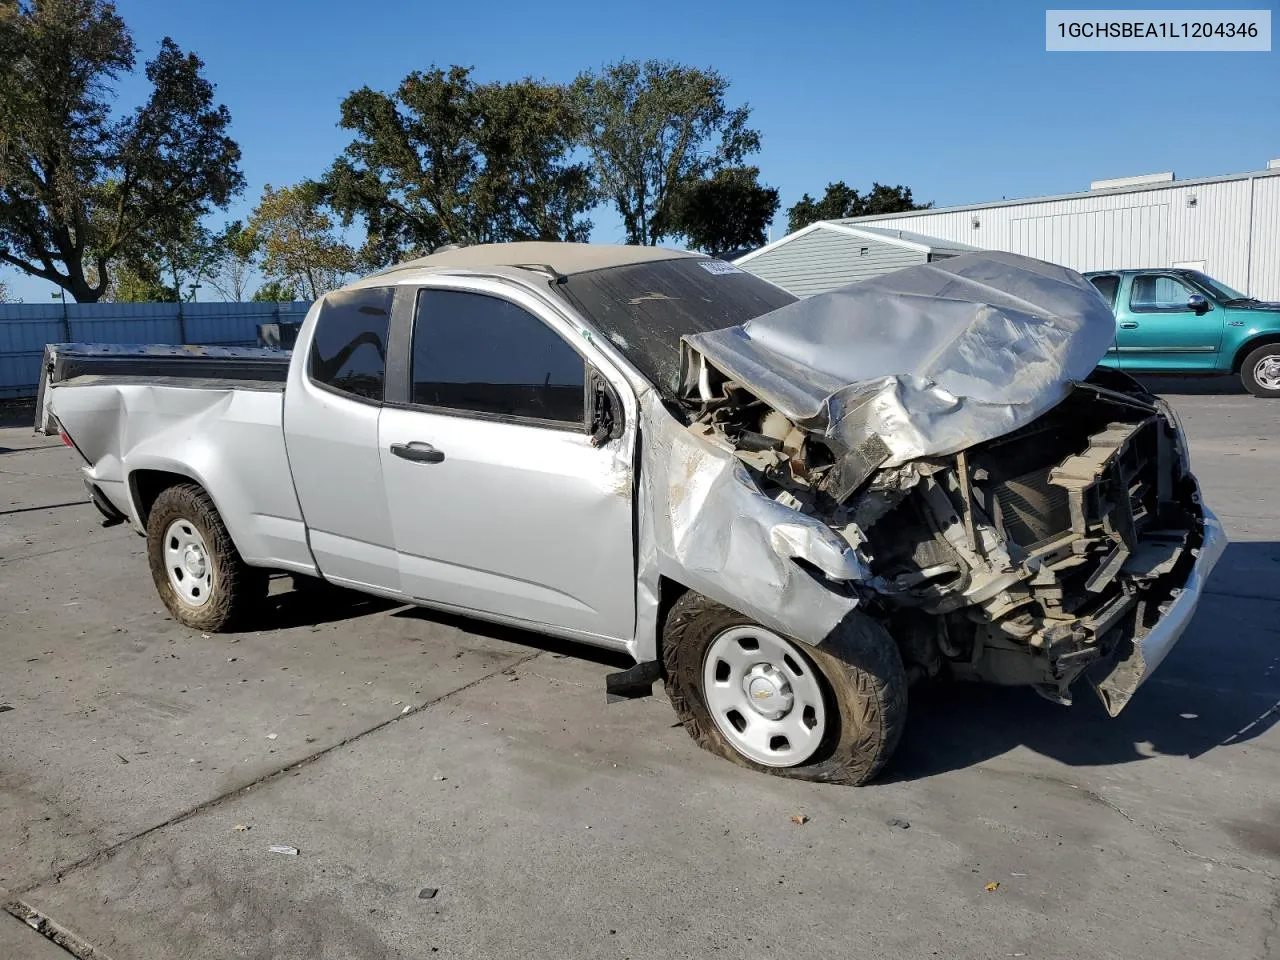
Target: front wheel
x: 197, y: 570
x: 1260, y: 371
x: 832, y: 713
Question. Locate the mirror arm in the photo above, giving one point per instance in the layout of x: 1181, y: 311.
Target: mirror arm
x: 605, y: 409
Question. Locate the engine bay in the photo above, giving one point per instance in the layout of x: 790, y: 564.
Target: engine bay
x: 1023, y: 560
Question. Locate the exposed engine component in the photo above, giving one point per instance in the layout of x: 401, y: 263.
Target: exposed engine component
x: 1006, y: 562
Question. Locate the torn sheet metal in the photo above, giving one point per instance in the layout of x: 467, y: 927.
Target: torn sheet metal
x: 705, y: 523
x: 930, y: 359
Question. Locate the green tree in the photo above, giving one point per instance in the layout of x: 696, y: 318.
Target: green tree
x: 275, y: 291
x: 727, y: 211
x: 4, y: 292
x: 651, y: 129
x: 78, y: 187
x: 841, y: 201
x: 447, y: 160
x: 299, y: 243
x: 138, y: 282
x: 235, y: 257
x: 166, y: 268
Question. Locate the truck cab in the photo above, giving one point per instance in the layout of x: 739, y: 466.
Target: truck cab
x: 1181, y: 321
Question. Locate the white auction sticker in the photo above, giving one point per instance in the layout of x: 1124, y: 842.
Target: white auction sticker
x: 1168, y: 31
x: 718, y: 267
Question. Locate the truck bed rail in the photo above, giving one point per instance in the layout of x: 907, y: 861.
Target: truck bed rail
x: 246, y: 367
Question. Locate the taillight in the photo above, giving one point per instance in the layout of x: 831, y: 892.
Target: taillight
x: 68, y: 442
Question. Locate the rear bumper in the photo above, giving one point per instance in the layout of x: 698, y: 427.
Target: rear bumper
x: 1129, y: 673
x: 110, y: 514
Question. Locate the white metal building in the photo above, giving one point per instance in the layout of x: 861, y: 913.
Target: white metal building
x: 1227, y: 226
x: 831, y: 254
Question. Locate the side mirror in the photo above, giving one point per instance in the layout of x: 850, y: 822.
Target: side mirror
x: 1198, y: 304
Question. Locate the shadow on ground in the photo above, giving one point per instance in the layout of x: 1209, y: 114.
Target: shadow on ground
x: 1193, y: 386
x: 1220, y: 685
x: 310, y: 602
x: 523, y: 638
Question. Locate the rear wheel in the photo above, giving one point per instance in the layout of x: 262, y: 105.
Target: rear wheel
x: 768, y: 702
x: 197, y: 570
x: 1260, y: 371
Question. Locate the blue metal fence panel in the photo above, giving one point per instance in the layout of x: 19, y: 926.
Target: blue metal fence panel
x: 25, y: 329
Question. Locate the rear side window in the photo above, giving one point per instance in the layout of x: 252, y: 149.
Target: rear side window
x: 1107, y: 286
x: 349, y: 350
x: 485, y: 355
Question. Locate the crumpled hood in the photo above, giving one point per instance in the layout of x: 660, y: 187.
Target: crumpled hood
x: 930, y: 359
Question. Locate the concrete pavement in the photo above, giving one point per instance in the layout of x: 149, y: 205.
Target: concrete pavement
x: 552, y: 825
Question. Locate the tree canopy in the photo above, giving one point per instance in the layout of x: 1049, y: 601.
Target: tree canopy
x: 841, y: 201
x: 275, y: 291
x: 727, y: 211
x: 301, y: 249
x: 80, y: 188
x: 235, y: 255
x: 653, y: 128
x: 447, y: 160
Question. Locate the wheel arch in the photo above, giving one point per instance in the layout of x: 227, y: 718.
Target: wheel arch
x: 147, y: 483
x: 1250, y: 345
x: 669, y: 591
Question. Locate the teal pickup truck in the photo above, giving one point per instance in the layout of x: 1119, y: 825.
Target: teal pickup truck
x: 1181, y: 321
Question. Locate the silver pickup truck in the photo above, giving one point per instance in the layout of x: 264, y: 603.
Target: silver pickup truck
x: 787, y: 510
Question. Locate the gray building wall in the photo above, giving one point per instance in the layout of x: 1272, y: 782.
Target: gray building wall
x: 823, y: 260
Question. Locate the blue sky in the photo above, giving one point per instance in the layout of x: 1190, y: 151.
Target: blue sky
x: 960, y: 102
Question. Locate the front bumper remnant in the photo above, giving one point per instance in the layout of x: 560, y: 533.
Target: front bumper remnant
x: 1145, y: 653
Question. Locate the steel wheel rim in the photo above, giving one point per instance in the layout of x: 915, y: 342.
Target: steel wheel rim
x: 1267, y: 372
x: 188, y: 564
x: 764, y: 696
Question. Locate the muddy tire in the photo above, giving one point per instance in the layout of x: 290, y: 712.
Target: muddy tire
x: 857, y: 676
x: 1260, y: 371
x: 197, y: 570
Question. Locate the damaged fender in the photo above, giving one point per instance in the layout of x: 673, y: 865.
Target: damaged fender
x: 706, y: 525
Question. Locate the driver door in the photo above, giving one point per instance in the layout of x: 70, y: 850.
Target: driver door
x: 502, y: 504
x: 1162, y: 329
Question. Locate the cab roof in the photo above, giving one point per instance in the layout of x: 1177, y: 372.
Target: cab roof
x: 561, y: 258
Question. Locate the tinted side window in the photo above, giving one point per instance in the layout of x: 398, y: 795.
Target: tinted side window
x: 349, y: 351
x: 484, y: 354
x: 1107, y: 286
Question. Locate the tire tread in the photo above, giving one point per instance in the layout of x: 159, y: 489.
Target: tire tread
x: 859, y: 660
x: 238, y: 587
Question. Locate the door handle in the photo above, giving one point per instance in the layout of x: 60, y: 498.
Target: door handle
x: 418, y: 452
x: 1128, y: 325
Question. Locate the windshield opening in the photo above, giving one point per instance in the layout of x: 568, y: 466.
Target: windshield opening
x: 645, y: 308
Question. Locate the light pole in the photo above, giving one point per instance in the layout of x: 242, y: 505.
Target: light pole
x: 66, y: 321
x: 192, y: 289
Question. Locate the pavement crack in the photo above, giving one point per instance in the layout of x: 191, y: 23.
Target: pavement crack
x: 1174, y: 842
x: 266, y: 778
x: 1270, y: 940
x: 1148, y: 828
x: 75, y: 546
x: 57, y: 934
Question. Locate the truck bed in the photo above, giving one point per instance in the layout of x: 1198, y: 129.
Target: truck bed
x: 245, y: 368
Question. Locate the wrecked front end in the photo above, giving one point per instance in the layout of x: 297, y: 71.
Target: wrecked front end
x: 1022, y: 518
